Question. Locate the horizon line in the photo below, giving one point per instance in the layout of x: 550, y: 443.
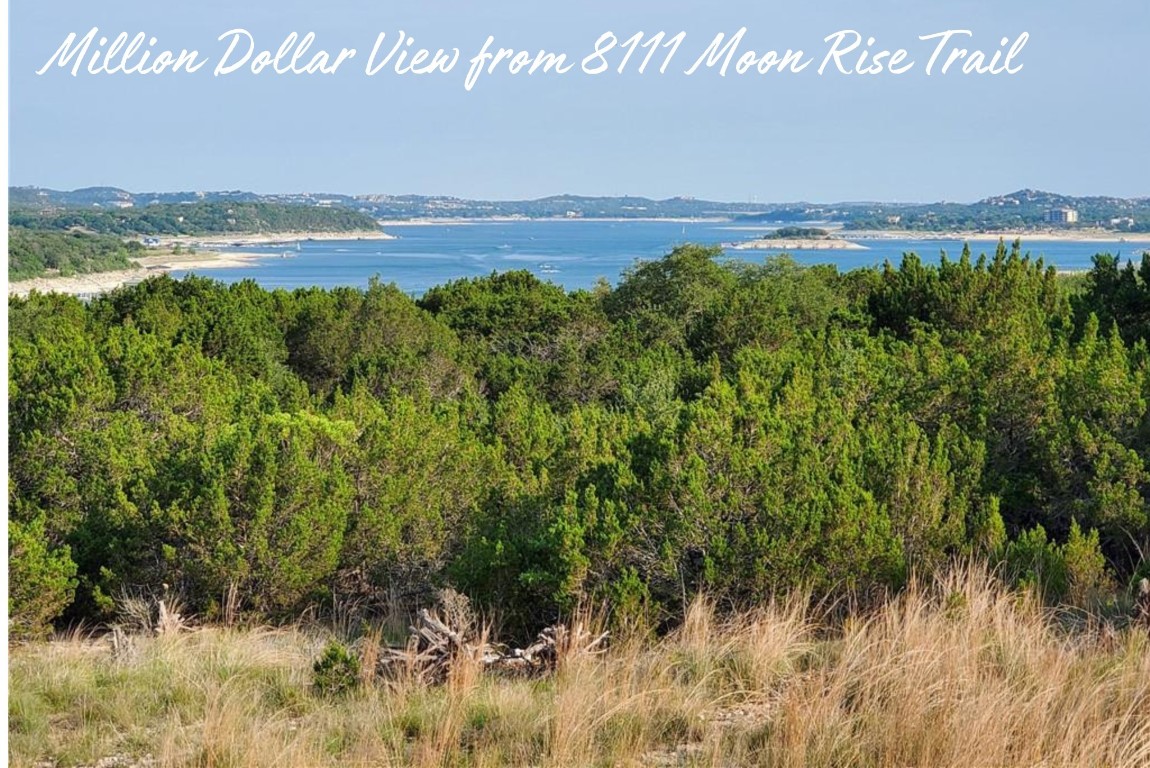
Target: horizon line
x: 684, y: 197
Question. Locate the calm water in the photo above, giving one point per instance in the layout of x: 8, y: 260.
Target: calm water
x: 573, y: 254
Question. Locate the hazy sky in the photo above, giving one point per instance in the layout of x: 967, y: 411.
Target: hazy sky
x: 1074, y: 120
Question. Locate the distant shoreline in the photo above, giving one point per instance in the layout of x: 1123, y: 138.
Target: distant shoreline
x: 768, y: 244
x: 163, y: 259
x: 428, y: 222
x: 1051, y: 235
x: 157, y: 264
x: 219, y: 251
x: 271, y: 238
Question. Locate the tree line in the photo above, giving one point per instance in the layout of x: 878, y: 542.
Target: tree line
x: 206, y: 218
x: 709, y: 425
x: 35, y: 253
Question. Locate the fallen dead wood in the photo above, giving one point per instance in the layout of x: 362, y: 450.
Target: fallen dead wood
x: 433, y: 647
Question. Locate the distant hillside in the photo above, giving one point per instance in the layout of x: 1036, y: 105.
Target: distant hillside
x: 203, y: 218
x: 113, y: 197
x: 33, y: 253
x: 395, y: 206
x: 1025, y: 209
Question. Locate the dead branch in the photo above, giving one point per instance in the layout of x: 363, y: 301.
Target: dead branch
x: 434, y: 646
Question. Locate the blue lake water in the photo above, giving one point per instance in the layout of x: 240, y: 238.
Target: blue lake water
x: 573, y: 254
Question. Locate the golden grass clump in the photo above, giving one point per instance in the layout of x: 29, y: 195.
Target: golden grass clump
x: 959, y: 672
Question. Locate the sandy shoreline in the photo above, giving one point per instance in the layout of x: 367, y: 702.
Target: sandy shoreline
x: 102, y: 282
x: 429, y: 222
x: 1052, y: 235
x: 276, y: 238
x: 219, y: 257
x: 163, y: 259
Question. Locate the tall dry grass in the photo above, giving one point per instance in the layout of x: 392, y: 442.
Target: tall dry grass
x: 960, y: 672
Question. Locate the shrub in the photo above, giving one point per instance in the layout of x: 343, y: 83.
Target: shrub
x: 1032, y: 560
x: 1085, y: 566
x: 41, y: 581
x: 336, y: 671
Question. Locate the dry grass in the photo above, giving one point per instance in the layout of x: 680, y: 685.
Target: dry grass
x: 958, y: 674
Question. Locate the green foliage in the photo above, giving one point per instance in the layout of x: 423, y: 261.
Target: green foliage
x: 740, y: 428
x: 41, y: 578
x: 205, y: 218
x: 1075, y: 570
x: 1034, y: 560
x: 1086, y: 571
x: 336, y: 671
x: 1119, y: 295
x: 789, y: 233
x: 33, y: 253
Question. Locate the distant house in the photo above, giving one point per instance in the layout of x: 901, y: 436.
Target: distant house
x: 1062, y: 216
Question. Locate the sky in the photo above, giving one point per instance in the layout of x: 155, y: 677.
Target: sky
x: 1072, y: 120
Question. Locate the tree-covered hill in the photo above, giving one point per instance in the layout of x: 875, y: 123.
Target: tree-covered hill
x: 742, y: 429
x: 210, y: 218
x: 1022, y: 210
x: 32, y: 253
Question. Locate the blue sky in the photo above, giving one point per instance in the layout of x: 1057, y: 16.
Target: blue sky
x: 1072, y: 121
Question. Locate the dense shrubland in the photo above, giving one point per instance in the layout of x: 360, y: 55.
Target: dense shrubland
x: 33, y: 253
x: 738, y: 429
x: 200, y: 218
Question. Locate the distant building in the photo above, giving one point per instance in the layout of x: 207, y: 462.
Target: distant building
x: 1062, y: 216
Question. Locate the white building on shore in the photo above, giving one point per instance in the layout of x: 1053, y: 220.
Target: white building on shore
x: 1062, y: 216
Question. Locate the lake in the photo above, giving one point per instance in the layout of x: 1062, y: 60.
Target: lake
x: 572, y: 253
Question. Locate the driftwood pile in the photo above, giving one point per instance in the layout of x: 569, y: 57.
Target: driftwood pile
x: 434, y: 647
x: 1142, y: 603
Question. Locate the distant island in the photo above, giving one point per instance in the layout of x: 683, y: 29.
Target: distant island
x: 796, y: 239
x: 797, y: 233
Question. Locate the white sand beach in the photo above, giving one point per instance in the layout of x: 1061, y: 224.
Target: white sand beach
x: 164, y: 259
x: 101, y: 282
x: 276, y: 238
